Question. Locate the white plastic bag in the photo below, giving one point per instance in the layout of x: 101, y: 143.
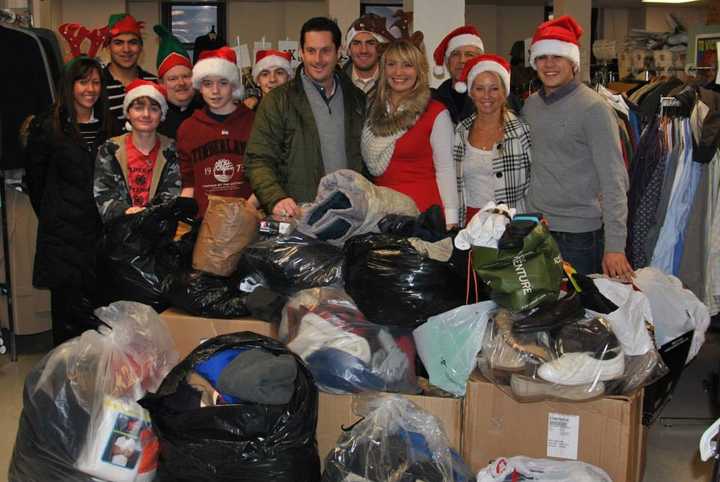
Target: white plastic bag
x: 541, y: 470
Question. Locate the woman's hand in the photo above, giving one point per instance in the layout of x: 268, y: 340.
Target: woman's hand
x: 134, y: 210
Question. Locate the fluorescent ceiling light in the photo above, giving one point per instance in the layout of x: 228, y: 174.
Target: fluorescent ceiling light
x: 669, y: 1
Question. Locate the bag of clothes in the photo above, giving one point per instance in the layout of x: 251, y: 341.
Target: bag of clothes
x: 80, y: 419
x: 240, y: 407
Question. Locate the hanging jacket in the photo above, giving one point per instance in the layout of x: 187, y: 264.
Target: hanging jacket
x: 59, y: 174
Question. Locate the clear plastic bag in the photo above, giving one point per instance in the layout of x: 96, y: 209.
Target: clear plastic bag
x: 574, y: 360
x: 80, y: 417
x: 541, y: 470
x: 394, y: 441
x: 345, y: 352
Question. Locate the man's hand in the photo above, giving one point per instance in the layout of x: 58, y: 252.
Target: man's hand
x: 286, y: 207
x: 616, y: 265
x: 134, y: 210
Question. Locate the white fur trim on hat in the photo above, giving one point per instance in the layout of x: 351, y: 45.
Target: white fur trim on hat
x: 271, y: 61
x: 145, y: 91
x: 216, y: 66
x: 462, y: 41
x: 555, y: 47
x: 352, y: 33
x: 488, y: 66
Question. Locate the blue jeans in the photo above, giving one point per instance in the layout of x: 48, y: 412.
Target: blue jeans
x: 582, y: 250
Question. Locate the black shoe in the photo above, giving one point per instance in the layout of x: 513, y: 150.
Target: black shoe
x: 592, y: 336
x: 591, y: 297
x: 551, y: 316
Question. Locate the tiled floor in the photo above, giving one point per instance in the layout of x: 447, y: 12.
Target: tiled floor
x: 672, y: 453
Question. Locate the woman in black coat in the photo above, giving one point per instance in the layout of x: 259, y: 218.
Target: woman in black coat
x: 60, y: 159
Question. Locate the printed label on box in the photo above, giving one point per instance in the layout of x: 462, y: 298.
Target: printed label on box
x: 562, y: 438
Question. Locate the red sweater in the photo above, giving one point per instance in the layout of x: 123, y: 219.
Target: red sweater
x: 411, y: 169
x: 212, y: 155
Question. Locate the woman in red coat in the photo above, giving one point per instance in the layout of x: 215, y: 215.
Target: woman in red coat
x: 407, y: 139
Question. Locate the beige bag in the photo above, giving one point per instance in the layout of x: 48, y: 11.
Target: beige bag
x: 229, y: 225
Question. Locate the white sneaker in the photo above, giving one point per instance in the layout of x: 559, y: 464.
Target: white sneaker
x: 582, y: 369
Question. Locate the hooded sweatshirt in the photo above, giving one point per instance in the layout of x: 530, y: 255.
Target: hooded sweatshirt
x: 212, y: 154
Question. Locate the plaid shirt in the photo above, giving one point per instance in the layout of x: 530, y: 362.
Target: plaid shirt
x: 511, y: 167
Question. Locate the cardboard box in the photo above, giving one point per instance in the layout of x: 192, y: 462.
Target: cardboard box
x: 608, y: 432
x: 189, y: 331
x: 31, y: 306
x: 336, y: 412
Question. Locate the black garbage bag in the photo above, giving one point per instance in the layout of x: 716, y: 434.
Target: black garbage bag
x: 288, y: 264
x: 206, y: 295
x: 236, y: 442
x: 137, y: 252
x: 394, y: 284
x: 430, y: 225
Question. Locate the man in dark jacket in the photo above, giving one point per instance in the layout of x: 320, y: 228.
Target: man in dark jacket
x: 454, y: 50
x: 307, y: 128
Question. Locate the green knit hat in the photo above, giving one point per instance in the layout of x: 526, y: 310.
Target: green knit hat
x: 124, y: 23
x: 170, y: 52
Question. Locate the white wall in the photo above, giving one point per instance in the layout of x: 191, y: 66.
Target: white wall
x: 502, y: 25
x: 435, y: 19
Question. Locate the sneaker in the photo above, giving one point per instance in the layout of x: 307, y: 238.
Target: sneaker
x: 582, y: 369
x: 528, y: 389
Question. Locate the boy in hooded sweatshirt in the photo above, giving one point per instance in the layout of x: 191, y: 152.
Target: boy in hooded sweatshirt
x: 211, y: 143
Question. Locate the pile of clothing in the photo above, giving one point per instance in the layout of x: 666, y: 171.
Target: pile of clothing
x: 344, y: 351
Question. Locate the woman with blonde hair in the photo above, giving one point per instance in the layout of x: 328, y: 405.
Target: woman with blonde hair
x: 492, y: 147
x: 407, y: 137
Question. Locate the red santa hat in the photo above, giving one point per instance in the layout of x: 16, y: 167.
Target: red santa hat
x: 222, y: 63
x: 271, y: 59
x: 480, y: 64
x: 145, y: 88
x: 460, y: 37
x: 558, y: 37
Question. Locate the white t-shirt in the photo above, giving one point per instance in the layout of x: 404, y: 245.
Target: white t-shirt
x: 479, y: 180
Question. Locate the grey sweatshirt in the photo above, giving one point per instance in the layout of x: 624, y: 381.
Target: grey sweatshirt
x: 579, y: 181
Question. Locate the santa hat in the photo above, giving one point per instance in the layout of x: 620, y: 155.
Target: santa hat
x: 271, y: 59
x: 460, y: 37
x: 557, y: 37
x: 222, y: 63
x: 369, y: 23
x: 145, y: 88
x: 120, y: 23
x: 480, y: 64
x: 170, y: 52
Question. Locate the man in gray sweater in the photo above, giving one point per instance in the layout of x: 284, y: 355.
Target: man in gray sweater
x: 579, y: 181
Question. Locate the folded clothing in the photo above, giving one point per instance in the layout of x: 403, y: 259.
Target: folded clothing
x: 250, y: 375
x: 259, y: 376
x: 315, y: 332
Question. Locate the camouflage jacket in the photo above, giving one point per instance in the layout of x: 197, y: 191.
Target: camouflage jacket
x: 110, y: 187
